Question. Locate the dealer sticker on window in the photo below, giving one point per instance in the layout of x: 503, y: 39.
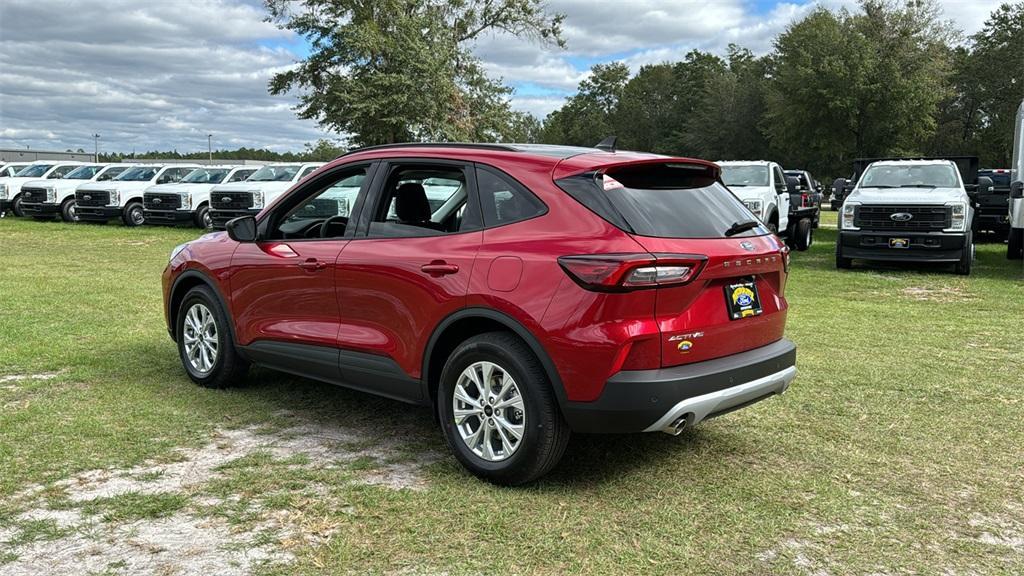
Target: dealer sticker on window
x: 742, y: 300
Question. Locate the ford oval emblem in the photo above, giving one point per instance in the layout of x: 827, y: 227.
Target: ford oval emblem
x: 157, y: 201
x: 747, y: 246
x: 87, y: 197
x: 901, y: 217
x: 225, y: 199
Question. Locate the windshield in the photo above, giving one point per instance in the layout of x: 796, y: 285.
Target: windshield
x: 83, y: 172
x: 274, y: 174
x: 34, y: 170
x: 14, y: 169
x: 111, y: 173
x: 751, y: 175
x: 205, y: 176
x: 909, y: 176
x: 138, y: 174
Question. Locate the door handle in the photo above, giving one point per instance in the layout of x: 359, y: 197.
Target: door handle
x: 439, y: 268
x: 312, y: 265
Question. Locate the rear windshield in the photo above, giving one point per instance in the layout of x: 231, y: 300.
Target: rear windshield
x: 663, y: 200
x: 999, y: 179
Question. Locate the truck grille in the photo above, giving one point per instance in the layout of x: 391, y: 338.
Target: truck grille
x: 157, y: 201
x: 230, y: 200
x: 922, y: 218
x: 92, y: 198
x: 33, y: 195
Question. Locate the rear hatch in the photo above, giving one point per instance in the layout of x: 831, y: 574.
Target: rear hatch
x: 679, y: 211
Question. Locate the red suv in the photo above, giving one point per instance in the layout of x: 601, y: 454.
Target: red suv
x: 520, y: 291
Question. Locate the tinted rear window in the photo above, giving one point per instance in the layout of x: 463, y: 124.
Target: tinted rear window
x: 662, y: 200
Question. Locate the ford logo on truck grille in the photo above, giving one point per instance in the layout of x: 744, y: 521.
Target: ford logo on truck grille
x: 157, y: 201
x: 226, y: 199
x: 87, y: 197
x: 901, y: 217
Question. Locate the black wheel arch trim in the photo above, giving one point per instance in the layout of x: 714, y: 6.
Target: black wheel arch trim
x: 509, y: 322
x: 205, y: 279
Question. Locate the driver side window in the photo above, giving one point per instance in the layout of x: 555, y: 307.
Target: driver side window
x: 325, y: 212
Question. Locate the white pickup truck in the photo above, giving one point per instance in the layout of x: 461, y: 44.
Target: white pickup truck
x: 188, y: 201
x: 229, y: 201
x: 761, y: 186
x: 10, y: 187
x: 910, y: 210
x: 1015, y: 244
x: 121, y: 198
x: 44, y: 199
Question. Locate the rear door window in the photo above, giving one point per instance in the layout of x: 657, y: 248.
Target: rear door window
x: 503, y: 200
x: 670, y: 200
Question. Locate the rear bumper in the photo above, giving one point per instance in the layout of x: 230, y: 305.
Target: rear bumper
x: 220, y: 218
x: 168, y: 217
x: 924, y: 246
x: 651, y: 400
x: 40, y: 209
x: 97, y: 213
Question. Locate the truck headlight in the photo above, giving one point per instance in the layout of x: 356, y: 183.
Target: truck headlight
x: 257, y: 199
x: 958, y: 216
x: 754, y: 206
x: 51, y: 195
x: 186, y: 201
x: 115, y: 198
x: 3, y: 191
x: 849, y: 210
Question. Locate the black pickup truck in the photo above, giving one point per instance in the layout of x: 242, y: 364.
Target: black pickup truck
x: 992, y: 208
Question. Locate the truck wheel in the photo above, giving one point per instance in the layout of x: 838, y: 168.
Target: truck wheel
x: 773, y: 223
x: 202, y: 218
x: 842, y: 263
x: 963, y: 267
x: 134, y: 215
x: 67, y: 210
x: 1015, y: 244
x: 205, y: 343
x: 16, y: 206
x: 803, y: 234
x: 498, y: 412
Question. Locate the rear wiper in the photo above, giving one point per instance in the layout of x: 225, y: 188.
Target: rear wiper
x: 738, y: 227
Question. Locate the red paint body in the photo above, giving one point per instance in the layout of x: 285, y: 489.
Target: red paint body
x: 374, y: 296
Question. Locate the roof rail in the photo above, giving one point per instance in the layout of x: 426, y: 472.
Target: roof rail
x: 481, y: 146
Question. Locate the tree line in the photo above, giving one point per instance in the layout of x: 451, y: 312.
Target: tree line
x: 888, y: 79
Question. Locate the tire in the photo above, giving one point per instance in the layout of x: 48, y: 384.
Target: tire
x: 227, y: 367
x: 963, y: 267
x: 1015, y: 244
x: 16, y: 207
x: 803, y: 234
x: 545, y: 433
x: 842, y: 263
x: 773, y: 224
x: 134, y: 214
x: 202, y: 217
x: 67, y: 210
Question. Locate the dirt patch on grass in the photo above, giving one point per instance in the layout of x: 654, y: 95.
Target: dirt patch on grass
x: 156, y: 519
x: 942, y: 295
x: 1004, y: 530
x: 20, y: 377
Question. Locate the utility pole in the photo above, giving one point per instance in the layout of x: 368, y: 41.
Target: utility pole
x: 209, y: 146
x: 96, y: 147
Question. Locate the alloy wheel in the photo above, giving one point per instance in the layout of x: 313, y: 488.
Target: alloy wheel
x: 200, y: 338
x: 489, y: 411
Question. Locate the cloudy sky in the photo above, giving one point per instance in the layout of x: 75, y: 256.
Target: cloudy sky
x: 162, y: 74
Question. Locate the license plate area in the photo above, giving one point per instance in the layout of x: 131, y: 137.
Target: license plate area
x: 899, y: 243
x: 742, y: 299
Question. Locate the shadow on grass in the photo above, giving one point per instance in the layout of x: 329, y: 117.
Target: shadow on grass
x: 590, y: 460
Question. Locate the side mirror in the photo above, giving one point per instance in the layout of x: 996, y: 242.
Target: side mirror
x: 1017, y: 190
x: 792, y: 184
x: 984, y: 185
x: 242, y: 229
x: 839, y: 187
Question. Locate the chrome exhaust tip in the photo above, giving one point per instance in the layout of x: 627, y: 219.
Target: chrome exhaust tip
x: 677, y: 426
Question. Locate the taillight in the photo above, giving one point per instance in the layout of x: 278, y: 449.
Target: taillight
x: 624, y: 272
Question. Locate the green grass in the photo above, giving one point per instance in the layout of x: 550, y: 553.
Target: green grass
x: 898, y: 448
